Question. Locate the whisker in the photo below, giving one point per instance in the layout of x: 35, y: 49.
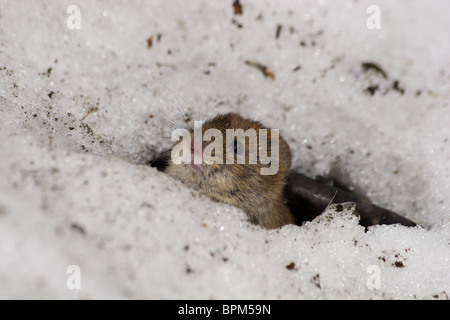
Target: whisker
x: 183, y: 112
x: 173, y: 123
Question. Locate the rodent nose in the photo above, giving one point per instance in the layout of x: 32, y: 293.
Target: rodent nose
x: 198, y: 151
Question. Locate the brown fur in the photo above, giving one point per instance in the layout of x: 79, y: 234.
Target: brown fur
x: 242, y: 185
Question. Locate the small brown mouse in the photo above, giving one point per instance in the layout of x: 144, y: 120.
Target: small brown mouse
x: 241, y: 185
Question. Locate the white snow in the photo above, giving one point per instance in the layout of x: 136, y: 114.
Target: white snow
x: 81, y: 112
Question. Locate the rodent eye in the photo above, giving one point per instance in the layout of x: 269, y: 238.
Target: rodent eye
x: 238, y: 147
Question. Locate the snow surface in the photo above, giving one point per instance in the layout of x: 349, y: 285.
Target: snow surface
x: 82, y: 112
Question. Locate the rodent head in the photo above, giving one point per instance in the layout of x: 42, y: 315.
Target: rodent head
x: 234, y: 169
